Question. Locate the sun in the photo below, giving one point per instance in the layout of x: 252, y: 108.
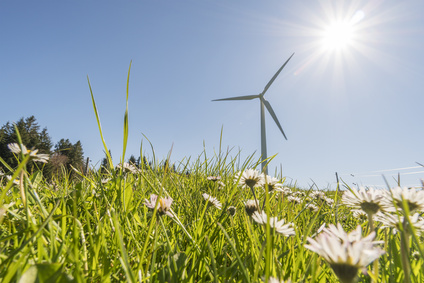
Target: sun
x: 338, y: 35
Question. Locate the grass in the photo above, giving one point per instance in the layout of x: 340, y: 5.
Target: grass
x: 99, y: 230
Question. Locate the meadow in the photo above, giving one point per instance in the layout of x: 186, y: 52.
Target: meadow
x: 210, y: 219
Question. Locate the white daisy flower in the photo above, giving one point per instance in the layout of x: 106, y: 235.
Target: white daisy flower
x: 346, y: 253
x: 319, y: 195
x: 164, y: 205
x: 359, y: 214
x: 212, y: 201
x: 275, y: 280
x: 251, y: 206
x: 272, y: 183
x: 214, y: 178
x: 370, y: 201
x: 231, y: 210
x: 279, y: 227
x: 395, y: 221
x: 15, y: 148
x: 414, y: 198
x: 251, y: 178
x: 127, y: 168
x: 312, y: 207
x: 294, y: 199
x: 329, y: 201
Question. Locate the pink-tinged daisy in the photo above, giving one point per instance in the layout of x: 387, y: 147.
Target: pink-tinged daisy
x: 164, y: 205
x: 279, y: 227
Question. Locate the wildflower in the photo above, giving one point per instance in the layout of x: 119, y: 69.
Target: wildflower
x: 396, y: 222
x: 214, y: 178
x: 212, y: 201
x: 127, y: 168
x: 15, y: 181
x: 359, y: 214
x: 318, y: 195
x: 272, y: 183
x: 370, y: 201
x: 164, y: 205
x: 15, y: 148
x: 251, y: 206
x: 345, y: 253
x: 251, y: 178
x: 231, y: 210
x: 275, y: 280
x: 294, y: 199
x: 279, y: 227
x: 329, y: 201
x: 312, y: 207
x: 286, y: 191
x: 413, y: 198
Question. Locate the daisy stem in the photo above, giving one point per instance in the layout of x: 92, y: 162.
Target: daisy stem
x: 404, y: 250
x: 22, y: 188
x: 254, y: 195
x: 375, y: 264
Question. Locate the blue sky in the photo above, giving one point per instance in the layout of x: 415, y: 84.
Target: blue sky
x: 353, y: 109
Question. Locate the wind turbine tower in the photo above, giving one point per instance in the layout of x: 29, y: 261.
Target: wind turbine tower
x: 263, y: 103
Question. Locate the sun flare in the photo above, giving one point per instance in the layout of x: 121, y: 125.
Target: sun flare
x: 337, y: 36
x: 341, y: 34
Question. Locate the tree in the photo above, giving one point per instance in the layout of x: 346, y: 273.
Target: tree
x: 70, y: 155
x: 132, y: 160
x: 104, y: 166
x: 31, y: 135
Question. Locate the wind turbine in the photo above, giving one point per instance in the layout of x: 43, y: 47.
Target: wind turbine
x: 264, y: 103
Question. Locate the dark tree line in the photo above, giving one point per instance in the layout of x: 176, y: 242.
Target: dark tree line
x: 63, y: 154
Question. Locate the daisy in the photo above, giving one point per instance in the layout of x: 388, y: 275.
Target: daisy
x: 414, y: 198
x: 329, y: 201
x: 164, y: 205
x: 319, y: 195
x: 359, y: 214
x: 312, y: 207
x: 272, y: 183
x: 212, y: 201
x: 251, y: 206
x: 214, y: 178
x: 15, y: 148
x: 279, y: 227
x: 370, y: 201
x: 275, y: 280
x: 251, y: 178
x: 345, y: 253
x: 294, y: 199
x: 396, y: 222
x: 127, y: 168
x: 231, y: 210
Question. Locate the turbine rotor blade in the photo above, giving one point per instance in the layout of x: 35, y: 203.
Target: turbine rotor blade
x: 276, y: 75
x: 245, y: 97
x: 271, y: 111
